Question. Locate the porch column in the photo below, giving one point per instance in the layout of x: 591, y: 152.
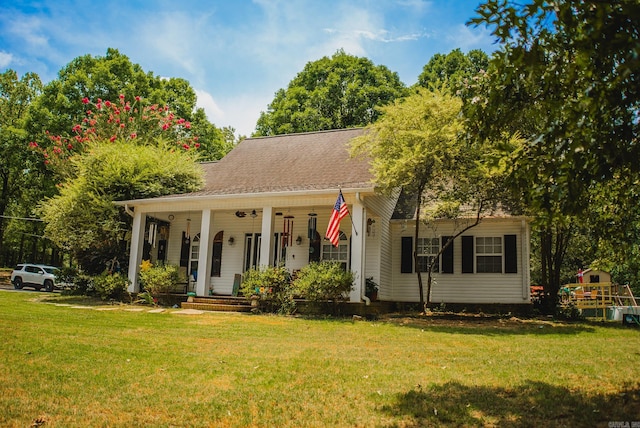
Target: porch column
x: 266, y: 246
x: 204, y: 258
x: 357, y: 249
x: 135, y: 252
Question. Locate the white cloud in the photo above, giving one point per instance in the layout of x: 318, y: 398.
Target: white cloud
x: 205, y: 101
x: 466, y: 38
x: 5, y: 59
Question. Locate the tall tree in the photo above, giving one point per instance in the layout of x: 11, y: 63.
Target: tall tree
x: 418, y: 145
x: 106, y: 78
x: 331, y: 93
x: 16, y: 95
x: 453, y: 69
x: 119, y: 151
x: 567, y: 78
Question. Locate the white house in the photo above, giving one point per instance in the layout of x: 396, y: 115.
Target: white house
x: 269, y: 201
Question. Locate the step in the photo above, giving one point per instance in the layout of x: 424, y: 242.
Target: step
x: 216, y: 307
x: 223, y: 300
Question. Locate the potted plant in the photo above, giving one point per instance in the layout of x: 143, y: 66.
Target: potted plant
x: 371, y: 289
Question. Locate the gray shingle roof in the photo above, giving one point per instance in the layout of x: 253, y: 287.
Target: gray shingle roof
x: 292, y: 162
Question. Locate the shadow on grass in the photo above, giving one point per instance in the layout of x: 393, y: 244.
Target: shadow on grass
x: 532, y: 404
x: 491, y: 326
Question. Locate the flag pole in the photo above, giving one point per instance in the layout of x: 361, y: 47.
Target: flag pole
x: 352, y: 223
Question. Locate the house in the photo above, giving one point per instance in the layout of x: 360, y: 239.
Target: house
x: 269, y: 202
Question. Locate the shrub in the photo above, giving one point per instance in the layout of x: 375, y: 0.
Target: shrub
x: 111, y: 286
x: 74, y: 282
x: 160, y: 279
x: 273, y: 287
x: 323, y: 281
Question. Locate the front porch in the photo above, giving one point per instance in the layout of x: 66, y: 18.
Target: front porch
x: 213, y: 247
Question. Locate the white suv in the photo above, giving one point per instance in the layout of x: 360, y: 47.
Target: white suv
x: 36, y: 276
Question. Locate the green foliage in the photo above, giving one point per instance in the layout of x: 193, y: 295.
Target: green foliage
x: 331, y: 93
x: 83, y: 215
x: 321, y: 281
x: 18, y: 165
x: 272, y: 285
x: 414, y: 142
x: 159, y: 279
x: 567, y: 79
x: 454, y: 69
x: 74, y: 282
x: 111, y: 286
x: 107, y: 78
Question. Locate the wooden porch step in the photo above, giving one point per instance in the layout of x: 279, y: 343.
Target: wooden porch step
x: 218, y: 304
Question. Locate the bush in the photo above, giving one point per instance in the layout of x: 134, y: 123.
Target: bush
x: 111, y: 286
x: 160, y: 279
x: 323, y: 281
x: 272, y: 285
x: 74, y: 282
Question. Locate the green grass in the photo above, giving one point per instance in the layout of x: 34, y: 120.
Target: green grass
x: 72, y: 366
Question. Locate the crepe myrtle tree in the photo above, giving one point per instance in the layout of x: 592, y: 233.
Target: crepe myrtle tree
x: 121, y: 150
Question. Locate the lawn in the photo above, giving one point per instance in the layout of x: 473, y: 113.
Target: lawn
x: 66, y: 365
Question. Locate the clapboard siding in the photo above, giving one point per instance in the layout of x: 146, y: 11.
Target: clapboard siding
x: 468, y: 287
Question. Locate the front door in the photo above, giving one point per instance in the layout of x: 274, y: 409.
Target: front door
x: 252, y: 242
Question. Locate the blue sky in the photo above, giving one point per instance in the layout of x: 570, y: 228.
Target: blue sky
x: 235, y: 53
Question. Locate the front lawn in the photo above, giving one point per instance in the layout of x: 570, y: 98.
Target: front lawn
x: 75, y: 365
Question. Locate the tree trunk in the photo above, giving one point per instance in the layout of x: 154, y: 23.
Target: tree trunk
x: 415, y: 249
x: 554, y: 242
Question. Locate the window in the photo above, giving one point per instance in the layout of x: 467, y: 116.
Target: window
x: 339, y: 253
x: 216, y: 256
x: 489, y: 254
x: 428, y: 249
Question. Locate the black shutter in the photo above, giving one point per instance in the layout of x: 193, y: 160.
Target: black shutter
x: 216, y: 259
x: 406, y: 263
x: 467, y: 254
x: 184, y: 250
x: 447, y: 255
x: 510, y: 254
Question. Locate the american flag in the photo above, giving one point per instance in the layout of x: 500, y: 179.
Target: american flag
x: 340, y: 211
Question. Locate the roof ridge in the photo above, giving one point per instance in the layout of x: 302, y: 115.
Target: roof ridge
x: 261, y: 137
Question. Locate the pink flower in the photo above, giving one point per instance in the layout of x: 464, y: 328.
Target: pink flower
x: 107, y: 103
x: 197, y: 145
x: 187, y: 125
x: 185, y: 146
x: 133, y: 135
x: 138, y: 98
x: 112, y: 139
x: 85, y: 100
x: 77, y: 128
x: 33, y: 144
x: 165, y: 126
x: 69, y: 146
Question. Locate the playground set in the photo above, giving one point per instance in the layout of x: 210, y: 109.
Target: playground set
x: 599, y: 299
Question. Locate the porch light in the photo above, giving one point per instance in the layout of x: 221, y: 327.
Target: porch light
x: 231, y: 240
x: 299, y: 240
x: 254, y: 214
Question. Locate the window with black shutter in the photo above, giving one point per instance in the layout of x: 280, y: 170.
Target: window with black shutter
x: 510, y: 254
x: 447, y: 255
x: 406, y: 260
x: 467, y: 254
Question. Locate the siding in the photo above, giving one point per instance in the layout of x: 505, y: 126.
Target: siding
x: 383, y: 208
x: 459, y: 287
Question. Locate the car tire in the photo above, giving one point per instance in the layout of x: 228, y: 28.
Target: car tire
x: 48, y: 286
x: 17, y: 283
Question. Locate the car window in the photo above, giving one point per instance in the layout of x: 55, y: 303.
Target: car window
x: 19, y: 267
x: 50, y: 270
x: 31, y: 269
